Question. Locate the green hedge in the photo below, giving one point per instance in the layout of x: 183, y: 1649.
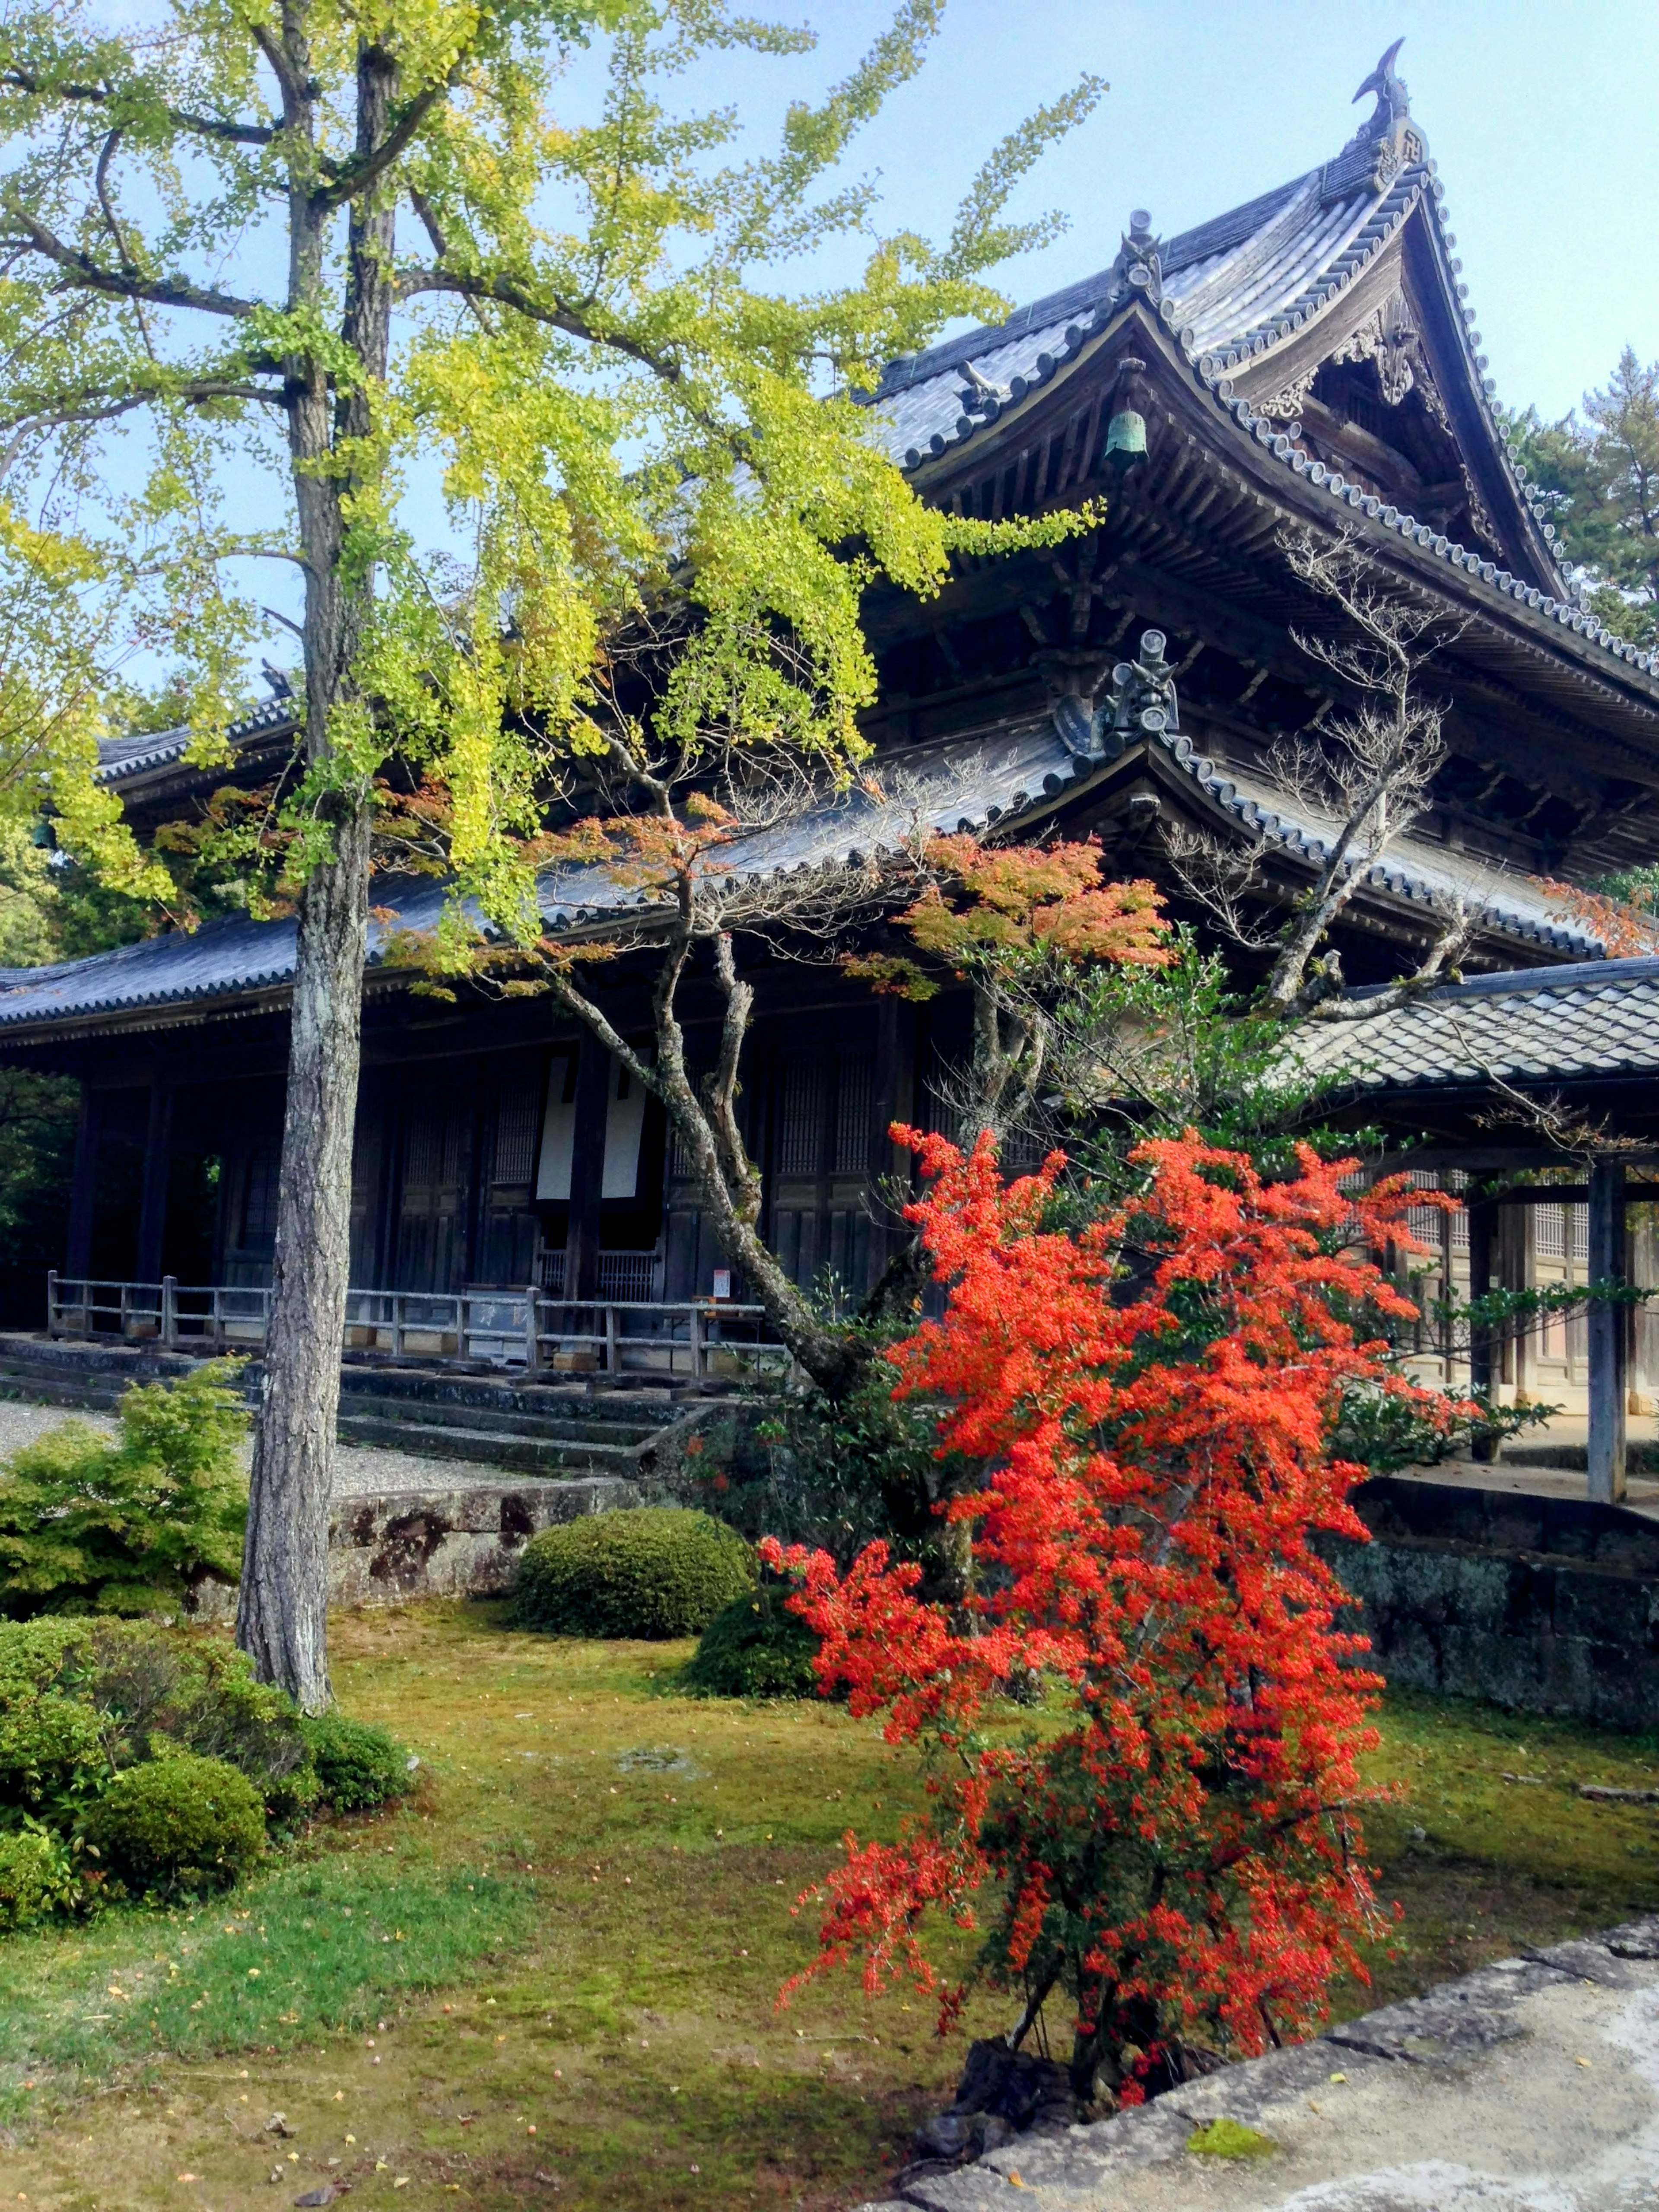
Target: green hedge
x: 156, y: 1748
x: 654, y: 1571
x: 90, y: 1524
x: 754, y: 1648
x: 179, y: 1824
x: 358, y: 1765
x: 36, y: 1877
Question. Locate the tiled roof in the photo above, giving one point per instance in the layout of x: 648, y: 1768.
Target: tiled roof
x: 973, y: 783
x: 1410, y: 869
x: 1538, y: 1025
x: 1232, y: 290
x: 121, y: 759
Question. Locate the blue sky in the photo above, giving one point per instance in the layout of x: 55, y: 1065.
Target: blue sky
x: 1541, y: 114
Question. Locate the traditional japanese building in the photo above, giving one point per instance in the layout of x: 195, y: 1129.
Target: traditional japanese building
x: 1307, y: 362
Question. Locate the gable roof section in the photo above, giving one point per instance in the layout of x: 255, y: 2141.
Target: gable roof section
x: 1236, y: 295
x: 124, y: 762
x: 1538, y: 1024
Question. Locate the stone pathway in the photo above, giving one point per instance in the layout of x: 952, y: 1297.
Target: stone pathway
x: 360, y: 1470
x: 1532, y: 2086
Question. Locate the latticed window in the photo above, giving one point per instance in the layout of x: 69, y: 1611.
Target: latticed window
x: 853, y: 1093
x: 515, y: 1131
x: 627, y: 1275
x: 800, y: 1125
x: 1561, y: 1232
x: 259, y: 1195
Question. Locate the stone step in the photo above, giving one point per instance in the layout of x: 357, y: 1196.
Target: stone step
x: 558, y: 1424
x: 531, y: 1455
x: 47, y: 1389
x: 516, y: 1394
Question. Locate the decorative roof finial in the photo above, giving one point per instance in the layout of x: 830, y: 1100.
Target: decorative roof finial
x: 1393, y: 102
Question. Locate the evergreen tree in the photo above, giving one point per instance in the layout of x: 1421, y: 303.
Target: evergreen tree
x: 1597, y: 470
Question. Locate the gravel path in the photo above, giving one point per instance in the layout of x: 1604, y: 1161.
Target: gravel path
x: 360, y: 1470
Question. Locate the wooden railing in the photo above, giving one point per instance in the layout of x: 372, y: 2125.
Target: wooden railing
x: 699, y: 1340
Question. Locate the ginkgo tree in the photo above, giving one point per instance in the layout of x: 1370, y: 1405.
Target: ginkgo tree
x: 273, y: 267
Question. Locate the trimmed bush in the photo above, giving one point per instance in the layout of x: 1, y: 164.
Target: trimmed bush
x: 358, y: 1766
x: 154, y: 1686
x: 756, y: 1647
x: 88, y: 1524
x: 180, y: 1823
x: 35, y: 1877
x: 655, y: 1571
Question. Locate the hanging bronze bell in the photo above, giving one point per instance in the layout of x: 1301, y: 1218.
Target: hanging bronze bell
x: 1125, y: 440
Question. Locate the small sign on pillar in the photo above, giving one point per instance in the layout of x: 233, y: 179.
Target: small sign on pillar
x: 722, y: 1282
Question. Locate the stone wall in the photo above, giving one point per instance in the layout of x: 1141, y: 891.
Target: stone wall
x: 1548, y: 1604
x: 461, y: 1541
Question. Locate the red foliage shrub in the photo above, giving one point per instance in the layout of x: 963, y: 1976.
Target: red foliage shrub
x: 1172, y: 1840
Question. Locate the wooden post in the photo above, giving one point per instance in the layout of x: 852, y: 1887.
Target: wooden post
x: 83, y: 1188
x: 592, y: 1102
x: 1606, y: 1329
x: 170, y: 1311
x: 1482, y: 1363
x: 699, y: 1352
x: 51, y: 1302
x: 612, y: 1349
x: 533, y: 1333
x: 153, y: 1206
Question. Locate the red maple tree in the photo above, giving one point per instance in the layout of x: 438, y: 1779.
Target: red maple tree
x: 1172, y: 1839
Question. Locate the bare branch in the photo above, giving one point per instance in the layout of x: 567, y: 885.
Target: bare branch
x: 204, y: 126
x: 1371, y: 776
x: 121, y: 284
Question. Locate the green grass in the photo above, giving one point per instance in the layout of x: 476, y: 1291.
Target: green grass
x: 328, y: 1941
x: 609, y: 1979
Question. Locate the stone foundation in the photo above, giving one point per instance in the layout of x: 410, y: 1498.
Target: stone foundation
x: 460, y: 1542
x: 1549, y: 1604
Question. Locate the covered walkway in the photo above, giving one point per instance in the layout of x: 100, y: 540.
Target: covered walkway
x: 1534, y: 1093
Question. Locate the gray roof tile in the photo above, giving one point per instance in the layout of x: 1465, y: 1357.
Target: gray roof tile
x: 1532, y: 1025
x: 974, y: 782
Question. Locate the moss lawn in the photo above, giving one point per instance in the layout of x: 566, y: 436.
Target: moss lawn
x: 549, y: 1978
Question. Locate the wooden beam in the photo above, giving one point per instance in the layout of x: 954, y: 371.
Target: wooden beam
x: 1566, y: 1194
x: 593, y: 1081
x: 1605, y: 1324
x: 153, y: 1204
x: 83, y: 1185
x: 1482, y: 1222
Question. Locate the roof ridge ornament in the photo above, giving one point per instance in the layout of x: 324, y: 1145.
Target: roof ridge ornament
x: 1140, y: 702
x: 984, y: 393
x: 1383, y: 144
x: 1141, y: 259
x: 1392, y: 101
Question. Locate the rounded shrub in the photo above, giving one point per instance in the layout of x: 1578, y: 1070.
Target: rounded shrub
x: 655, y: 1571
x: 183, y: 1822
x: 358, y: 1765
x: 754, y: 1648
x: 35, y: 1877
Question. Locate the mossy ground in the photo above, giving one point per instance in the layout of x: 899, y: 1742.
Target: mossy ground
x: 593, y: 1888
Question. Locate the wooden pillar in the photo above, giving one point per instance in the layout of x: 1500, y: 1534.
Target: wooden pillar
x: 153, y: 1206
x: 1482, y: 1222
x: 84, y: 1189
x: 581, y: 1251
x: 895, y: 1101
x: 1607, y: 1327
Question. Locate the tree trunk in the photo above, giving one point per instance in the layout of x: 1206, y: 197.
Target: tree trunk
x: 282, y: 1612
x: 282, y: 1618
